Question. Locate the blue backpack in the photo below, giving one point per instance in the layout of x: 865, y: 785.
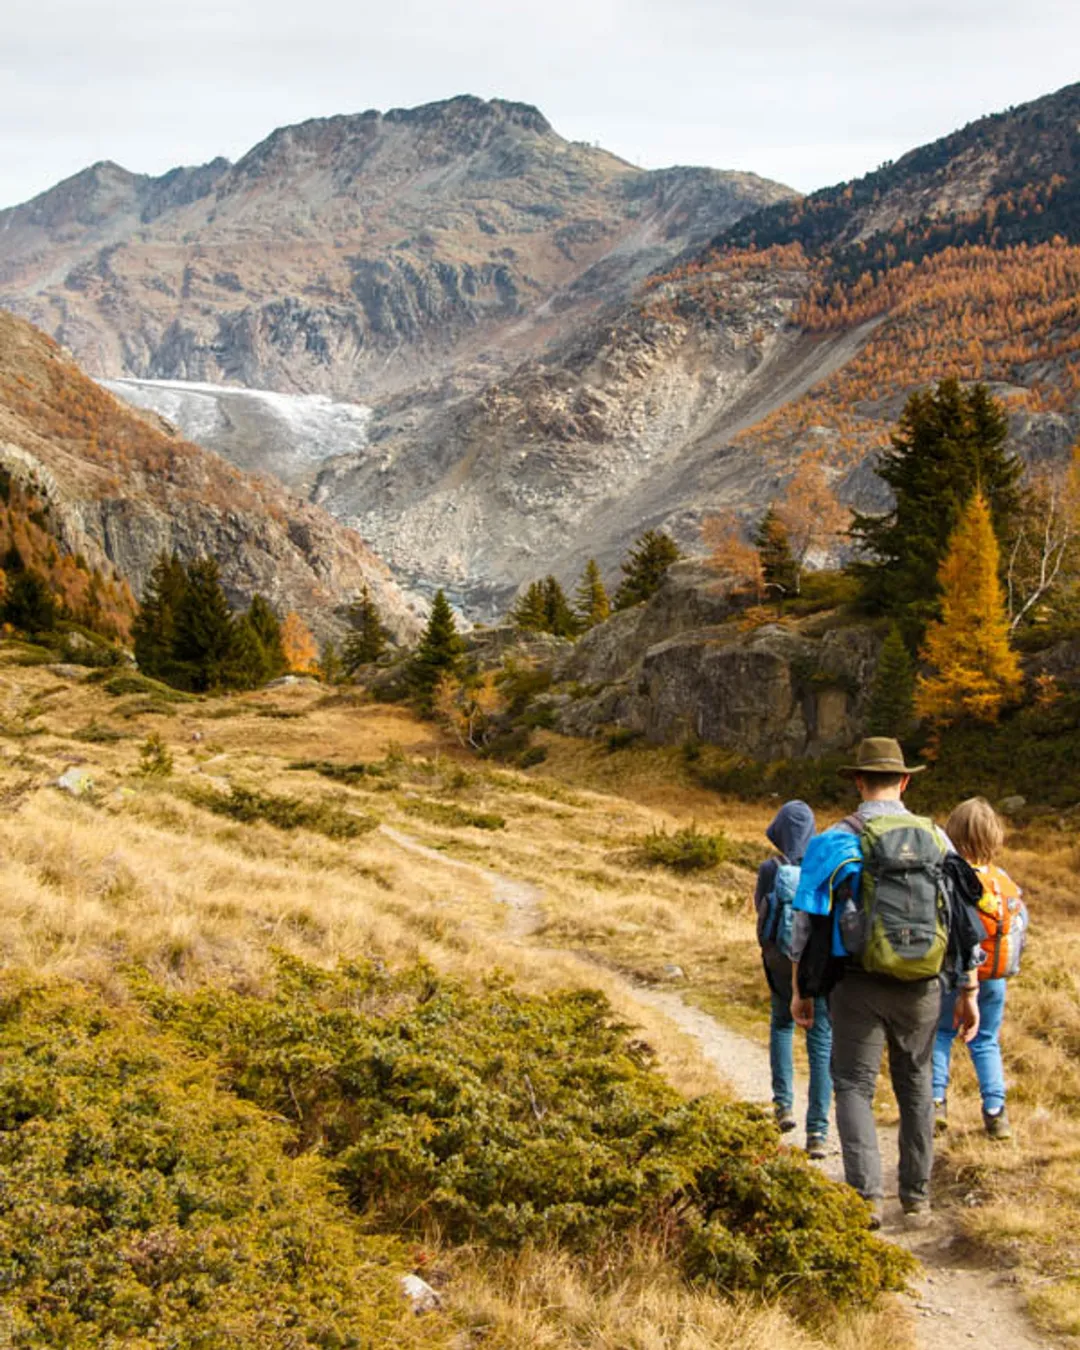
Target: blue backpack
x: 778, y: 919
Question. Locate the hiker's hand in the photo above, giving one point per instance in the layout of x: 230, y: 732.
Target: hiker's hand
x: 802, y: 1010
x: 966, y: 1014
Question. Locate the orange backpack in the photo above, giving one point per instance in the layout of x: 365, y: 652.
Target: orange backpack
x: 1005, y: 918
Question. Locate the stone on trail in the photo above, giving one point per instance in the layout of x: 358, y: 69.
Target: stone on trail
x: 420, y: 1294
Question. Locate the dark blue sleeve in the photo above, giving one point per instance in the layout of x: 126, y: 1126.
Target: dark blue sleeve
x: 766, y: 876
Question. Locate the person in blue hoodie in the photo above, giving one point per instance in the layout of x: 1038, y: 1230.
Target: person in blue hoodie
x: 790, y: 832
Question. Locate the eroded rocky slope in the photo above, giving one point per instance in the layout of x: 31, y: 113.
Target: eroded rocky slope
x: 118, y: 490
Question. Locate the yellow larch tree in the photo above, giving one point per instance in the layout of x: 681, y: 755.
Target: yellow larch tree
x: 299, y: 647
x: 974, y: 671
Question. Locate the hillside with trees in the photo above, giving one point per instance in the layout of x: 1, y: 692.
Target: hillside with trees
x: 94, y: 493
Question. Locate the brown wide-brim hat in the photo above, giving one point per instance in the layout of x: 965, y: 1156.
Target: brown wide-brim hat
x: 880, y: 754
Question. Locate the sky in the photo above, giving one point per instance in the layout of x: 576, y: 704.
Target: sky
x: 808, y: 94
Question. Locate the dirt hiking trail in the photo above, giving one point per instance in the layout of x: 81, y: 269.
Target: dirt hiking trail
x: 953, y: 1301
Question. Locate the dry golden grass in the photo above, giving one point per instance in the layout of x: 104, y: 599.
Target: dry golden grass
x: 545, y: 1302
x: 140, y: 873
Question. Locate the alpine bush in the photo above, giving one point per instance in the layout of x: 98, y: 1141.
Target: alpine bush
x: 504, y: 1119
x: 142, y: 1205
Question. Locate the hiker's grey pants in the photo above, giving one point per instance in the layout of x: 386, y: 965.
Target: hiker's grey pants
x: 868, y: 1013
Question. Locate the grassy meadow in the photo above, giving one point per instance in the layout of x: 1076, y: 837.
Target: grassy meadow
x: 168, y: 873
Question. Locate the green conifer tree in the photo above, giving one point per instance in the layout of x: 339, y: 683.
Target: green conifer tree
x: 779, y: 569
x: 29, y: 604
x: 368, y: 638
x: 559, y: 618
x: 645, y: 568
x: 591, y: 598
x: 330, y: 666
x: 439, y: 653
x: 154, y: 630
x: 247, y: 666
x: 950, y: 443
x: 530, y: 612
x: 203, y: 644
x: 267, y: 628
x: 892, y: 696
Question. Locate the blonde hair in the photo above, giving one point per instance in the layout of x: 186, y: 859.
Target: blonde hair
x: 976, y: 830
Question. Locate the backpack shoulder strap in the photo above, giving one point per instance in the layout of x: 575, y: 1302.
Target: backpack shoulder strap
x: 855, y: 822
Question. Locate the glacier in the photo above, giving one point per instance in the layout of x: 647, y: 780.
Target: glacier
x: 289, y: 436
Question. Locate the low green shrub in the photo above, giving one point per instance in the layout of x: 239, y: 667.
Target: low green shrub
x: 94, y: 733
x: 454, y: 816
x: 338, y: 773
x: 814, y: 780
x: 686, y: 850
x: 535, y: 754
x: 504, y: 1119
x: 143, y: 1205
x: 28, y: 654
x: 155, y: 759
x: 623, y: 738
x: 284, y: 813
x: 130, y: 682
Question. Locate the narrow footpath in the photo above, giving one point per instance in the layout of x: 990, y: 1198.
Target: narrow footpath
x: 953, y: 1301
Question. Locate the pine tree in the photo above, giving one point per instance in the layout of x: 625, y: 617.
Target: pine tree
x: 29, y: 604
x: 154, y: 629
x: 529, y: 614
x: 559, y: 618
x: 591, y: 598
x: 203, y: 642
x: 267, y: 628
x: 330, y: 667
x: 892, y: 696
x: 645, y: 568
x: 975, y: 671
x: 950, y: 444
x: 439, y: 653
x: 247, y: 666
x: 778, y: 567
x: 368, y: 639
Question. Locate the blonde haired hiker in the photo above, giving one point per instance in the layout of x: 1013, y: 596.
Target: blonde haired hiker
x: 977, y: 834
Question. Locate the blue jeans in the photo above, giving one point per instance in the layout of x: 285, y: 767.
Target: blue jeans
x: 781, y: 1049
x: 985, y: 1048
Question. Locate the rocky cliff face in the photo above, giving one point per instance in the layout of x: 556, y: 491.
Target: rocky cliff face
x: 351, y: 255
x: 121, y: 490
x: 674, y: 671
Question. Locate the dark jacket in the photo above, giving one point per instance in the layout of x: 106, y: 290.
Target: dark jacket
x: 790, y: 831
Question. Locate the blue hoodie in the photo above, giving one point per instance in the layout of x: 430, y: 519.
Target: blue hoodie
x: 790, y: 832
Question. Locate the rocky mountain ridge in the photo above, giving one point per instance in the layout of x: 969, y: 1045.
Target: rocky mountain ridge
x: 350, y: 255
x: 724, y: 373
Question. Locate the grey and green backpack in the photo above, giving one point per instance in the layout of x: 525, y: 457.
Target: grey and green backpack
x: 900, y: 926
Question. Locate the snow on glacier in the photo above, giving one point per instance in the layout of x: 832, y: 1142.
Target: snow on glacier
x: 313, y: 427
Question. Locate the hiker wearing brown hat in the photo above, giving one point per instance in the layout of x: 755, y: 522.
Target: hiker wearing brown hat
x: 889, y: 920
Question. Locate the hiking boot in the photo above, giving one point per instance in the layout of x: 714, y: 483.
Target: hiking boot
x: 941, y: 1116
x: 816, y: 1146
x: 785, y: 1118
x: 877, y: 1214
x: 917, y: 1213
x: 997, y: 1124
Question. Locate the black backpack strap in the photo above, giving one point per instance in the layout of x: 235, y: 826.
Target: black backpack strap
x: 855, y: 822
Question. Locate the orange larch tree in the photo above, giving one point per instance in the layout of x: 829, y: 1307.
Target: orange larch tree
x: 974, y: 671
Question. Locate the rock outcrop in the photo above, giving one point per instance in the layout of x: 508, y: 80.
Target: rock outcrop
x: 774, y: 691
